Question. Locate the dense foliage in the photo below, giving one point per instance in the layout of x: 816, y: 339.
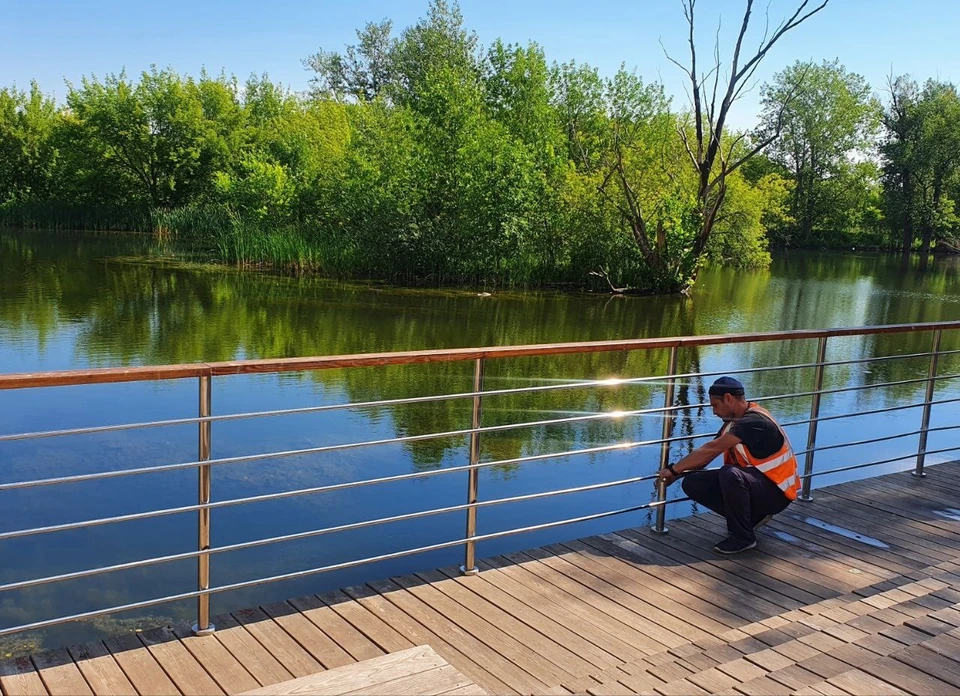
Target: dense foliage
x: 425, y: 157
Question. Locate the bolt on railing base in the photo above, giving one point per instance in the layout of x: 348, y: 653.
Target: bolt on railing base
x: 471, y: 571
x: 197, y: 631
x: 918, y: 474
x: 662, y: 530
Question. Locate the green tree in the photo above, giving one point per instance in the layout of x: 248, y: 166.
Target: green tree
x: 28, y: 153
x: 362, y: 72
x: 921, y: 162
x: 154, y: 132
x: 825, y: 116
x: 672, y: 236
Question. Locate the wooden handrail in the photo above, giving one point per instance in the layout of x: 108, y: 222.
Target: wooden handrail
x: 108, y: 375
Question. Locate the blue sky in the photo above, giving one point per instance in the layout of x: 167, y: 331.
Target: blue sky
x: 54, y: 40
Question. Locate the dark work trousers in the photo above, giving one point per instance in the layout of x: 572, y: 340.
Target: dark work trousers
x: 744, y: 495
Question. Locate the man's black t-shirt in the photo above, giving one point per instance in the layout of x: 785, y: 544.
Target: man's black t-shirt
x: 761, y: 436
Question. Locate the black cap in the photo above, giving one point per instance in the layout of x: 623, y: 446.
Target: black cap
x: 726, y: 385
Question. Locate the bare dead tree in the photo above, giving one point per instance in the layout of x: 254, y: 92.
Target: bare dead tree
x: 712, y: 160
x: 712, y: 95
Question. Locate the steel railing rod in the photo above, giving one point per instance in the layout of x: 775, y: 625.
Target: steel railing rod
x: 658, y: 525
x: 902, y: 457
x: 244, y: 459
x: 265, y: 497
x: 204, y: 463
x: 441, y: 397
x: 931, y: 387
x: 458, y: 433
x: 340, y: 486
x: 883, y: 438
x: 69, y: 526
x: 814, y: 419
x: 469, y: 566
x: 280, y: 365
x: 298, y: 536
x: 328, y: 568
x: 855, y: 414
x: 204, y: 480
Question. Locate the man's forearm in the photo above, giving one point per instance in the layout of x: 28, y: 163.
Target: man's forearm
x: 697, y: 459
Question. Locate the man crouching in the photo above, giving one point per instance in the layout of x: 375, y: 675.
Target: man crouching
x: 759, y: 474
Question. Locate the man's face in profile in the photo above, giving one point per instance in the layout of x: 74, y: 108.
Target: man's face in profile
x: 723, y: 406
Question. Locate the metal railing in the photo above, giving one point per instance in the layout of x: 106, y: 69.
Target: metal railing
x: 205, y: 465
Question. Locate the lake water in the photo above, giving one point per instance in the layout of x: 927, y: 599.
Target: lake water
x: 71, y: 301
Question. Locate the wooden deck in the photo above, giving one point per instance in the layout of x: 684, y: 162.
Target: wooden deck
x: 811, y: 611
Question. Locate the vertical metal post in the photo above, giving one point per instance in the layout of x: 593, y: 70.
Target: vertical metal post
x: 658, y: 526
x: 928, y: 402
x: 469, y: 566
x: 814, y: 421
x: 203, y: 626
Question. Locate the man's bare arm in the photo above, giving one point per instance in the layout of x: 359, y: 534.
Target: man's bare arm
x: 702, y: 456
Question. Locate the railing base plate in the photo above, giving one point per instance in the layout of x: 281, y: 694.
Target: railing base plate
x: 197, y: 631
x: 805, y: 498
x: 918, y: 474
x: 659, y: 531
x: 472, y: 571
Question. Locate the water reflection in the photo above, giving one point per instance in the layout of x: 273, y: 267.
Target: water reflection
x: 70, y: 301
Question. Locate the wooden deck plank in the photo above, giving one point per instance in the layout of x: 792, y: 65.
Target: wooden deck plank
x: 907, y: 503
x: 830, y: 568
x: 256, y: 659
x: 229, y: 673
x: 18, y: 677
x: 942, y: 667
x: 434, y: 681
x: 513, y: 676
x: 804, y: 546
x: 624, y: 577
x: 626, y: 610
x: 568, y: 609
x: 330, y: 639
x: 907, y: 678
x: 484, y: 675
x: 898, y: 527
x: 183, y: 669
x: 483, y: 630
x: 681, y: 545
x: 809, y: 611
x: 481, y: 585
x: 287, y: 651
x: 681, y: 584
x: 894, y: 559
x: 666, y: 591
x: 567, y: 662
x: 101, y: 670
x: 762, y: 601
x: 858, y: 682
x: 379, y: 670
x: 140, y: 666
x: 613, y: 617
x: 388, y: 639
x: 706, y: 537
x: 59, y: 674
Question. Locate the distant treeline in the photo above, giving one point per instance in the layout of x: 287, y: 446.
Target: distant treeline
x: 425, y: 157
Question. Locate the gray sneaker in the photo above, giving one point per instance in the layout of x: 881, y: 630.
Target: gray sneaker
x: 732, y: 545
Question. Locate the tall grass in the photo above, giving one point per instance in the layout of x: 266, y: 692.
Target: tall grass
x: 230, y: 237
x: 73, y: 216
x: 219, y: 233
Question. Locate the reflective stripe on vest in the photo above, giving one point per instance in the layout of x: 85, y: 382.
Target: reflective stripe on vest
x: 780, y: 467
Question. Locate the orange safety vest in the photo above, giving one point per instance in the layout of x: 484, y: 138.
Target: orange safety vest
x: 780, y: 467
